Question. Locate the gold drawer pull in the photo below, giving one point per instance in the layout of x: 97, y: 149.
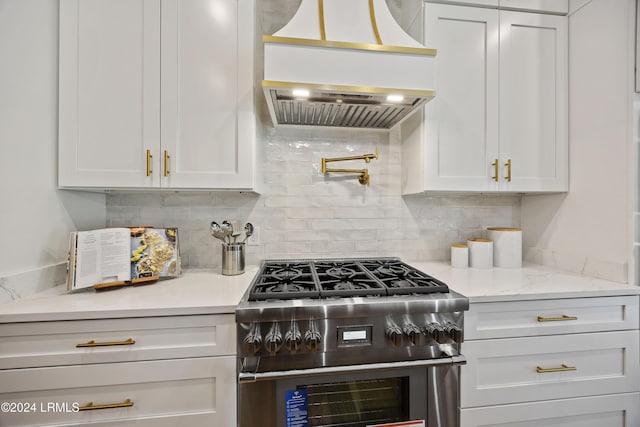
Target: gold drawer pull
x: 92, y: 343
x: 556, y: 319
x: 91, y: 407
x: 562, y: 368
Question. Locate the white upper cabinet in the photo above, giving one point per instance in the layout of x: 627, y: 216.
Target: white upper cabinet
x: 550, y: 6
x: 157, y: 94
x: 499, y: 118
x: 533, y: 102
x: 546, y: 6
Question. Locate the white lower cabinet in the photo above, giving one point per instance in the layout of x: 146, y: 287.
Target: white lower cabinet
x: 537, y: 363
x: 185, y: 392
x: 619, y: 410
x: 153, y: 371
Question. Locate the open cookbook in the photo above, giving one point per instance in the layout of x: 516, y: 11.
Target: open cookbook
x: 122, y: 256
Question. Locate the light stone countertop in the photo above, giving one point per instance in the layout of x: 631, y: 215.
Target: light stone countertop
x: 209, y: 292
x: 195, y: 292
x: 526, y: 283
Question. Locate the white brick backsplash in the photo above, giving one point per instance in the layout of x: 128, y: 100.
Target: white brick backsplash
x: 304, y: 214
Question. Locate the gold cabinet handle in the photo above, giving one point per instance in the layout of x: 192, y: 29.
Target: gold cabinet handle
x: 92, y: 343
x: 149, y: 157
x: 562, y: 368
x: 497, y: 170
x: 508, y: 165
x: 556, y: 319
x: 166, y: 162
x: 91, y: 407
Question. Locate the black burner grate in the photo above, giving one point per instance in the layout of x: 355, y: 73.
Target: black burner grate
x: 401, y: 279
x: 340, y: 278
x: 285, y: 280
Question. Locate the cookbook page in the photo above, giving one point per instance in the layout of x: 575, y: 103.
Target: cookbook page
x: 154, y: 252
x: 102, y: 257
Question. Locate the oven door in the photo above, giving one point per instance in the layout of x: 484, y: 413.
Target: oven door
x: 387, y: 394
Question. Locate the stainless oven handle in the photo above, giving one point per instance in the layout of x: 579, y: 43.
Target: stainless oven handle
x: 246, y: 377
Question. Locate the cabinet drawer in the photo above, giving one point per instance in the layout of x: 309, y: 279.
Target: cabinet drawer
x: 550, y: 317
x: 200, y: 391
x: 621, y: 410
x: 36, y: 344
x: 506, y: 370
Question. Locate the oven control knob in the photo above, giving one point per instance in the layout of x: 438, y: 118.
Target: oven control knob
x: 394, y: 334
x: 253, y: 341
x: 435, y: 331
x: 251, y: 344
x: 454, y: 332
x: 273, y: 340
x: 293, y: 339
x: 312, y: 337
x: 413, y: 333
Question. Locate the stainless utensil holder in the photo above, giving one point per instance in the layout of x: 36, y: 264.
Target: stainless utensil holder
x: 232, y: 258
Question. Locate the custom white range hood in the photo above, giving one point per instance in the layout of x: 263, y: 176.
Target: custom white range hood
x: 345, y: 63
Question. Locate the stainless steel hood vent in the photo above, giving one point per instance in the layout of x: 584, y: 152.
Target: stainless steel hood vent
x: 340, y: 109
x: 329, y: 67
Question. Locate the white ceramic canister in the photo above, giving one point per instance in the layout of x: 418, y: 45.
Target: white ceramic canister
x: 507, y: 246
x: 459, y: 255
x: 480, y: 252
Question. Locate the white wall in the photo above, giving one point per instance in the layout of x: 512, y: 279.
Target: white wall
x: 588, y: 230
x: 35, y: 217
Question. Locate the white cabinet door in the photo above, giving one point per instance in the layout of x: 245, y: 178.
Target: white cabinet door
x: 533, y: 102
x: 35, y: 344
x: 552, y: 6
x: 516, y: 370
x: 499, y: 118
x: 131, y: 117
x: 207, y: 94
x: 190, y: 392
x: 512, y: 319
x: 461, y: 122
x: 109, y: 105
x: 619, y: 410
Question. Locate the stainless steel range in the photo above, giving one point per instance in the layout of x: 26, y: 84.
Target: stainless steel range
x: 348, y: 342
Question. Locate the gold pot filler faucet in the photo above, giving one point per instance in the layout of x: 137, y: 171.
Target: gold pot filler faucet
x: 364, y: 177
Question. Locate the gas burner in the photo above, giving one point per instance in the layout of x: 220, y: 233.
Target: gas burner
x: 348, y: 286
x: 341, y: 272
x: 400, y: 284
x: 285, y: 287
x: 287, y: 274
x: 390, y: 270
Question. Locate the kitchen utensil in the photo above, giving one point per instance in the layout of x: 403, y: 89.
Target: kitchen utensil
x: 216, y: 231
x: 248, y: 231
x: 227, y: 228
x: 235, y: 229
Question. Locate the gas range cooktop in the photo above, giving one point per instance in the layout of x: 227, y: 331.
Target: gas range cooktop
x: 335, y: 278
x: 300, y: 314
